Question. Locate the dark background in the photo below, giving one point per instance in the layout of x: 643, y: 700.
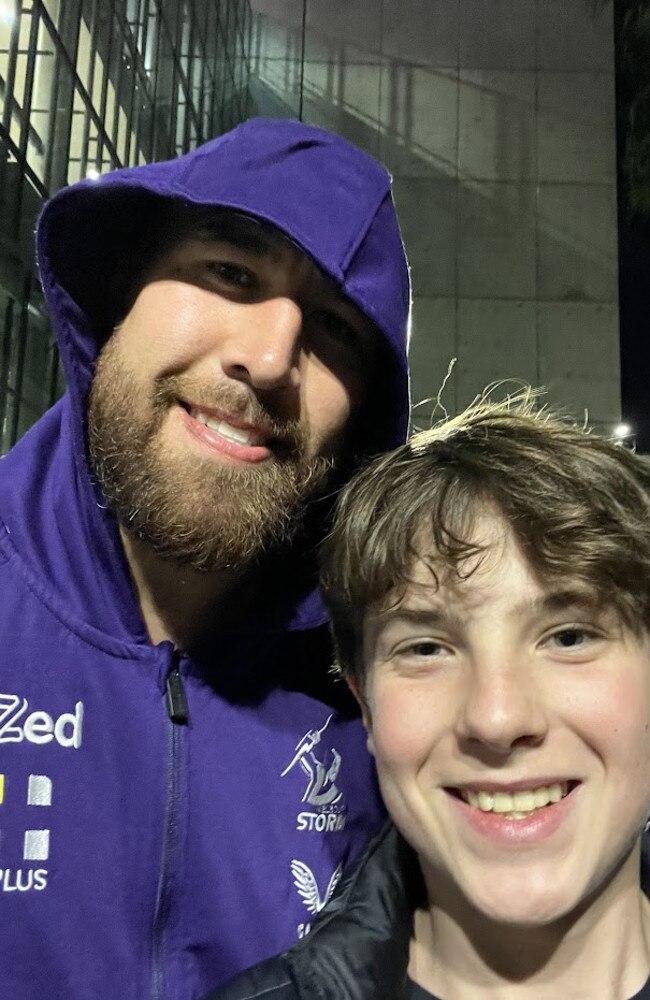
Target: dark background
x: 632, y: 28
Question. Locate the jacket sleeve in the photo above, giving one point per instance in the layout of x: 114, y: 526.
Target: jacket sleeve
x: 270, y: 980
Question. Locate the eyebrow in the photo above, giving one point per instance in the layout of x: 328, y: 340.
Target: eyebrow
x: 254, y: 237
x: 415, y: 615
x: 566, y: 597
x: 563, y: 598
x: 240, y: 235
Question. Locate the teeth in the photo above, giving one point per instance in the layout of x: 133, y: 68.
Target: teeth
x: 485, y: 801
x: 225, y: 430
x: 517, y: 805
x: 542, y: 797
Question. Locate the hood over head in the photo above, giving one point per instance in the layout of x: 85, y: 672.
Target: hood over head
x: 330, y: 198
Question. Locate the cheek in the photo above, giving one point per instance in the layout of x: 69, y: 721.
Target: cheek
x: 166, y: 328
x: 405, y: 727
x: 611, y: 712
x: 326, y: 402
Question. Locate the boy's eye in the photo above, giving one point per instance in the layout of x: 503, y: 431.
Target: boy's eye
x: 569, y: 637
x: 572, y: 637
x: 426, y: 647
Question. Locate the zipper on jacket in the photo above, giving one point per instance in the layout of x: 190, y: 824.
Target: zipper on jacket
x: 178, y: 715
x: 175, y: 693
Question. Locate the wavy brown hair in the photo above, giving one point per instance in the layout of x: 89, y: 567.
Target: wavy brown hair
x: 577, y: 503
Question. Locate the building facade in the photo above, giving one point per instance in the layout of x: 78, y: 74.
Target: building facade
x: 497, y: 121
x: 87, y: 86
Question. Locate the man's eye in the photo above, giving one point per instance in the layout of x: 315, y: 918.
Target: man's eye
x: 335, y: 326
x: 232, y: 274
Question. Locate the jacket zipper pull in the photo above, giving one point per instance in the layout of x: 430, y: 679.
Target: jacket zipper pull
x: 175, y: 696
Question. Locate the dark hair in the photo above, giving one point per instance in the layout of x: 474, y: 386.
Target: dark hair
x: 578, y: 505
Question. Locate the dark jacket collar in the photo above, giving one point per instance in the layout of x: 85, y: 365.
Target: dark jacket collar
x: 358, y: 948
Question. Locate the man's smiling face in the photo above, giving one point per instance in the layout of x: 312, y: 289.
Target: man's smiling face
x: 222, y: 399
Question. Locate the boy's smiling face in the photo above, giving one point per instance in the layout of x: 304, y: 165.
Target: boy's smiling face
x: 509, y: 718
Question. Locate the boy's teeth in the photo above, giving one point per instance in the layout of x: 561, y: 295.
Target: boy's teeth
x: 518, y: 804
x: 225, y: 430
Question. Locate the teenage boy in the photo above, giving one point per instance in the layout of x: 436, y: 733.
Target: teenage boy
x: 489, y: 584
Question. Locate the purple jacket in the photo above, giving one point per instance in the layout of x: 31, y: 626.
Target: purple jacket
x: 168, y: 820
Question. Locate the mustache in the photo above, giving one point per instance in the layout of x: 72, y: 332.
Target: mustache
x: 286, y: 434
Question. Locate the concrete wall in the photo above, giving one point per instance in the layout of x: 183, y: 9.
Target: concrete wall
x: 496, y: 118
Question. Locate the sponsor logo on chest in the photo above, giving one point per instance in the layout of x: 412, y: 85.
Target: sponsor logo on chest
x: 35, y: 841
x: 17, y: 723
x: 308, y: 890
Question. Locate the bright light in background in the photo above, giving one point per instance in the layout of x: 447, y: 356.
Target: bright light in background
x: 92, y: 174
x: 6, y: 15
x: 622, y: 431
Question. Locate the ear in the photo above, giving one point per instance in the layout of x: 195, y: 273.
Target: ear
x: 365, y: 711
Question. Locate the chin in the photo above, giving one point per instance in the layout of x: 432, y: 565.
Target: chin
x: 524, y: 908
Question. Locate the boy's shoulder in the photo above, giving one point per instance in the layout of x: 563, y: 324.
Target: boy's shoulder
x: 270, y: 979
x: 359, y: 944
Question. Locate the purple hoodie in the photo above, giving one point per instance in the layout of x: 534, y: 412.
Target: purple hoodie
x: 167, y: 820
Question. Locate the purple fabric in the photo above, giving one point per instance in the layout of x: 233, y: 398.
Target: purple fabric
x: 331, y: 198
x: 167, y: 858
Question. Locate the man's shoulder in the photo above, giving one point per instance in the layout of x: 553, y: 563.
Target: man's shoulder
x: 28, y: 466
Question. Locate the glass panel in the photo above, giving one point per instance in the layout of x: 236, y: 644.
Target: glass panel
x: 7, y: 22
x: 148, y: 86
x: 181, y: 116
x: 52, y: 8
x: 42, y: 97
x: 18, y: 115
x: 77, y: 157
x: 97, y: 80
x: 151, y: 35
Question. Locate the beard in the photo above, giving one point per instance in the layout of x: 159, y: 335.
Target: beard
x: 197, y: 513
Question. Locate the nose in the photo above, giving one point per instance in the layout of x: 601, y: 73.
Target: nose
x: 503, y: 709
x: 263, y: 345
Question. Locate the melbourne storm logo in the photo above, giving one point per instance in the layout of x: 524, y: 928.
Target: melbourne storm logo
x: 322, y: 793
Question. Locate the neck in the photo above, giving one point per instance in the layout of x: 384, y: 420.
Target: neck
x: 603, y: 950
x: 177, y: 603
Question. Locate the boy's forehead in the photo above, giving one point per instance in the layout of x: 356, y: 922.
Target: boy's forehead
x: 437, y: 586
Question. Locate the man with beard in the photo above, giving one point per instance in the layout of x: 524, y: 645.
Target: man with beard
x: 178, y: 767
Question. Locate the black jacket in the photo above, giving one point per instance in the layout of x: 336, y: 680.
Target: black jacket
x: 358, y: 947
